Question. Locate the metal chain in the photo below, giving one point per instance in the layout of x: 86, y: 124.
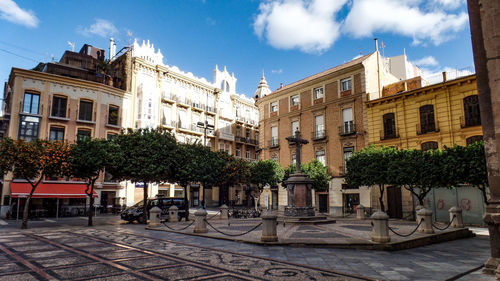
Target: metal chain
x: 406, y: 235
x: 183, y: 228
x: 213, y: 216
x: 230, y: 234
x: 446, y: 227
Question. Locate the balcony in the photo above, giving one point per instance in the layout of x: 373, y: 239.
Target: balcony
x: 169, y: 97
x: 211, y: 109
x: 427, y: 128
x: 198, y: 105
x: 318, y: 135
x: 252, y: 141
x: 273, y: 143
x: 470, y: 121
x: 226, y: 136
x: 348, y: 128
x: 183, y: 101
x: 168, y: 123
x: 391, y: 133
x: 240, y: 139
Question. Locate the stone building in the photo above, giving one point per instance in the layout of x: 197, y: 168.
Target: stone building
x: 413, y: 115
x: 64, y: 101
x: 166, y: 96
x: 328, y: 109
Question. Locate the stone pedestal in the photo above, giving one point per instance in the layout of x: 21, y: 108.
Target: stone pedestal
x: 492, y: 219
x: 456, y: 218
x: 173, y: 213
x: 223, y: 212
x: 200, y: 225
x: 269, y: 231
x: 300, y: 197
x: 380, y: 229
x: 426, y: 225
x: 360, y: 212
x: 154, y: 217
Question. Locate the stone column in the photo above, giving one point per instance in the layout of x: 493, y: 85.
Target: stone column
x: 269, y: 231
x: 360, y: 212
x: 154, y: 217
x: 380, y: 229
x: 200, y: 225
x: 223, y: 212
x: 458, y: 222
x: 426, y: 225
x: 173, y: 213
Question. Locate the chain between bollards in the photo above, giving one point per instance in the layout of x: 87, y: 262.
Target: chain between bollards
x: 446, y: 227
x: 230, y: 234
x: 180, y: 229
x: 406, y: 235
x: 213, y: 216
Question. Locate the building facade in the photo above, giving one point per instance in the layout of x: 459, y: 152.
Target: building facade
x: 328, y: 109
x: 413, y: 116
x: 42, y: 105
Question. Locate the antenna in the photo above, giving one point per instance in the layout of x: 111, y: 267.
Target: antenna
x: 72, y: 45
x: 382, y: 46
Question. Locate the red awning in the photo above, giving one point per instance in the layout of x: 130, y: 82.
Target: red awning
x: 50, y: 190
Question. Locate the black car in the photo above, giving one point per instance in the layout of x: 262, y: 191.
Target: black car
x: 135, y: 212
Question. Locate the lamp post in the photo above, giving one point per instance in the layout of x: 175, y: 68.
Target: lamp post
x: 205, y: 127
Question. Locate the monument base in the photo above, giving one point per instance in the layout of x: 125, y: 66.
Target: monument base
x: 299, y: 211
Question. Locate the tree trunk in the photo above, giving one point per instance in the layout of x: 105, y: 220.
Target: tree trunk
x: 381, y: 198
x: 24, y: 224
x: 91, y: 209
x: 186, y: 204
x: 145, y: 205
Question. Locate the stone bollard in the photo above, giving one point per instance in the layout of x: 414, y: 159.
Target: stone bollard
x: 173, y: 214
x: 458, y: 222
x: 200, y: 225
x: 223, y: 212
x: 269, y: 232
x: 154, y: 217
x: 426, y: 225
x: 360, y: 212
x: 380, y: 229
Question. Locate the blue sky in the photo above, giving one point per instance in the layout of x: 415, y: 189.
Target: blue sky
x: 289, y: 39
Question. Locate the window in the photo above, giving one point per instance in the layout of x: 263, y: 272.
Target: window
x: 427, y: 123
x: 85, y: 113
x: 274, y: 106
x: 473, y: 139
x: 59, y: 107
x: 295, y: 127
x: 221, y: 147
x: 389, y: 125
x: 471, y: 111
x: 348, y: 151
x: 320, y: 156
x: 111, y: 136
x: 238, y: 131
x: 345, y: 84
x: 182, y: 122
x: 113, y: 115
x: 248, y: 154
x: 348, y: 123
x: 319, y: 129
x: 247, y: 133
x: 238, y: 152
x: 274, y: 136
x: 167, y: 115
x: 294, y: 100
x: 430, y: 145
x: 56, y: 133
x: 31, y: 103
x: 294, y: 159
x: 28, y: 127
x: 318, y: 93
x: 83, y: 134
x: 274, y: 157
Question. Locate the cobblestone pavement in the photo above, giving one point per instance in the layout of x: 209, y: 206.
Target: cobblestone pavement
x: 103, y: 254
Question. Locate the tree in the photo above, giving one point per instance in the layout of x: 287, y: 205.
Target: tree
x: 7, y: 155
x: 210, y: 167
x: 371, y: 166
x: 37, y: 159
x: 315, y: 170
x: 145, y: 156
x: 265, y: 172
x: 89, y: 158
x: 234, y: 171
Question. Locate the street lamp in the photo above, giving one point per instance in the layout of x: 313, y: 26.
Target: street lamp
x: 205, y: 127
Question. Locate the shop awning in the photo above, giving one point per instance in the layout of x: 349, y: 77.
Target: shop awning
x: 50, y: 190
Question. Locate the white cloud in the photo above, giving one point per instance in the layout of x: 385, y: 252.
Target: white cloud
x: 307, y: 25
x: 101, y: 27
x: 404, y: 17
x: 426, y: 61
x: 277, y: 71
x: 434, y: 76
x: 10, y: 11
x: 449, y: 4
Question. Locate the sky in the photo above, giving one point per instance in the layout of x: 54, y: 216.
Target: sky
x: 287, y: 39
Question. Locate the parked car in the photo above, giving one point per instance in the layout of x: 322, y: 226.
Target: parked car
x: 135, y: 212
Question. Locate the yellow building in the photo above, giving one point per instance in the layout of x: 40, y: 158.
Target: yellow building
x: 409, y: 115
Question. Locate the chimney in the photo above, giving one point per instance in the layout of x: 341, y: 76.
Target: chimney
x: 376, y: 44
x: 444, y: 76
x: 112, y: 48
x: 281, y: 85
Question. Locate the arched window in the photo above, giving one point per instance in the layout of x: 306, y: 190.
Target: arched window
x: 471, y: 111
x: 430, y: 145
x: 427, y: 123
x: 389, y: 126
x: 227, y: 86
x: 473, y: 139
x: 222, y: 84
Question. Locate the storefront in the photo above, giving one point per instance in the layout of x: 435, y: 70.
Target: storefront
x: 50, y: 199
